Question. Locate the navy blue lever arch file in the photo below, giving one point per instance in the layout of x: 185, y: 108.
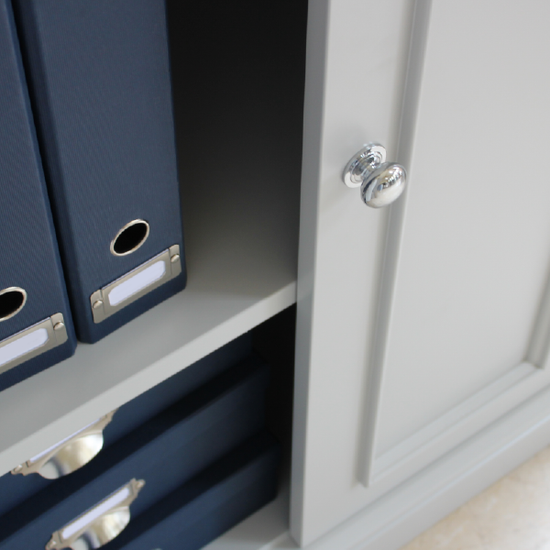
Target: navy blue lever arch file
x: 35, y: 321
x: 99, y: 81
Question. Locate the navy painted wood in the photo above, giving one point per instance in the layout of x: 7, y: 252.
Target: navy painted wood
x: 29, y: 256
x: 166, y: 452
x: 99, y: 79
x: 18, y: 488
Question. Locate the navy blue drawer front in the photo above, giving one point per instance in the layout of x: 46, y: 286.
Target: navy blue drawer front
x: 29, y: 256
x: 17, y: 488
x: 99, y: 80
x: 211, y: 503
x: 136, y: 412
x: 165, y: 452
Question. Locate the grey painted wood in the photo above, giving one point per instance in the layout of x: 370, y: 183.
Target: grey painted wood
x: 420, y: 326
x: 474, y: 258
x: 356, y: 60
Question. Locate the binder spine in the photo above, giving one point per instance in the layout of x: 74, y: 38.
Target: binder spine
x: 100, y: 84
x: 29, y: 254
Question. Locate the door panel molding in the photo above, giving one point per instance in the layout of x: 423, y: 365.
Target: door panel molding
x: 460, y: 423
x: 398, y: 516
x: 394, y: 231
x: 473, y: 414
x: 539, y: 346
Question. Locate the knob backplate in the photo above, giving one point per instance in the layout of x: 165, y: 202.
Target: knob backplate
x: 365, y: 161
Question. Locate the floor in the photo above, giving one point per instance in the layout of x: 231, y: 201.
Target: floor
x: 512, y: 514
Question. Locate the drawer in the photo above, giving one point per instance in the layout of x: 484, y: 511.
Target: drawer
x: 164, y: 452
x: 17, y: 488
x: 211, y: 503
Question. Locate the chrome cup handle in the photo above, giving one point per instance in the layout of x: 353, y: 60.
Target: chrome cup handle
x: 68, y: 455
x: 100, y: 524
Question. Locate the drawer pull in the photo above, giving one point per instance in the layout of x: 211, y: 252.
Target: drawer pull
x: 68, y: 455
x: 100, y: 524
x: 381, y: 182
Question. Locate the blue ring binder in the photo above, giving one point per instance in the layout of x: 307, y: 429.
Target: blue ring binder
x: 99, y: 79
x: 31, y: 279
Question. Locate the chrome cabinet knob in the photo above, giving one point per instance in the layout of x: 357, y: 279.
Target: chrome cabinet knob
x: 381, y: 182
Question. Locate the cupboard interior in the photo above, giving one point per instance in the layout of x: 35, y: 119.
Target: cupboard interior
x: 238, y: 76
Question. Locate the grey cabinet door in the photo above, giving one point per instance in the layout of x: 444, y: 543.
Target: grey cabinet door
x: 423, y: 323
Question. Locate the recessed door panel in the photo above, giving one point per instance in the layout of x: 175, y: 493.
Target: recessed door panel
x: 475, y: 247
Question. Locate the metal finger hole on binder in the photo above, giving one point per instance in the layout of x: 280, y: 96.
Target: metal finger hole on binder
x: 135, y: 284
x: 130, y: 238
x: 12, y: 301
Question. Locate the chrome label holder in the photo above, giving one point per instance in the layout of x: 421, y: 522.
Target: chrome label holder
x: 101, y: 523
x: 68, y: 455
x: 38, y: 338
x: 148, y: 276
